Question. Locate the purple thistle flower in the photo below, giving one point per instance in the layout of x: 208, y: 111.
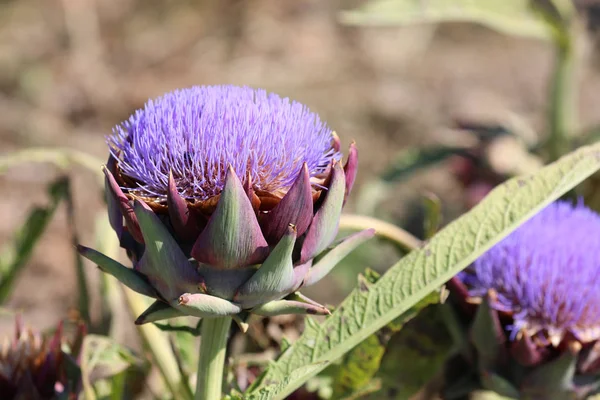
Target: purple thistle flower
x: 546, y: 274
x: 196, y: 133
x: 222, y: 197
x: 530, y: 307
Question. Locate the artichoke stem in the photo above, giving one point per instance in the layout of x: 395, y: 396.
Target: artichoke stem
x: 211, y: 362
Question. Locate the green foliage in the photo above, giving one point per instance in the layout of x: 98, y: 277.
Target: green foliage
x: 406, y: 163
x: 513, y: 17
x: 368, y: 309
x: 103, y: 363
x: 361, y: 363
x: 372, y: 366
x: 15, y: 255
x: 359, y: 367
x: 425, y: 342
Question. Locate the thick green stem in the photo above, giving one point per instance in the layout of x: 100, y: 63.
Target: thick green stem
x: 212, y: 358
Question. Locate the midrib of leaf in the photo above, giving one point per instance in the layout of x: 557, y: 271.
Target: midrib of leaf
x: 417, y: 274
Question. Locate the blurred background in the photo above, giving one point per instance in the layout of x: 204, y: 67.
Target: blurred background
x: 70, y: 70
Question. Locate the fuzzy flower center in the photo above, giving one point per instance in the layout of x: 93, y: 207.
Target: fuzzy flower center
x: 196, y: 133
x: 546, y: 273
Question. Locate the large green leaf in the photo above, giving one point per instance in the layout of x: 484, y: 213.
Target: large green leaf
x: 422, y: 271
x: 514, y: 17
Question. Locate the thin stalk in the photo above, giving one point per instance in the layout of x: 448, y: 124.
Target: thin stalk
x: 80, y: 272
x: 212, y: 358
x: 160, y: 348
x: 156, y: 341
x: 383, y: 229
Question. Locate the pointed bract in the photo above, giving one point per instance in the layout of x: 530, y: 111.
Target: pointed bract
x: 205, y: 305
x: 335, y: 255
x: 351, y: 169
x: 325, y: 223
x: 275, y: 277
x: 157, y: 311
x: 526, y: 352
x: 555, y: 376
x: 224, y: 283
x: 295, y: 208
x: 488, y: 335
x: 232, y: 237
x: 179, y: 214
x: 113, y: 189
x: 127, y: 276
x: 300, y: 272
x: 281, y: 307
x: 163, y: 262
x: 336, y: 144
x: 115, y: 216
x: 254, y: 200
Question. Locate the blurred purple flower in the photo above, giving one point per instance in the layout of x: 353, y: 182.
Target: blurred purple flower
x: 531, y: 309
x: 34, y: 367
x: 546, y: 274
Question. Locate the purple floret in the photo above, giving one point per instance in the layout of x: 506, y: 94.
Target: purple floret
x: 547, y: 273
x: 197, y: 132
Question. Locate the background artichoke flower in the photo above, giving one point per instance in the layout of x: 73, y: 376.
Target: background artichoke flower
x: 531, y: 309
x: 222, y: 197
x: 34, y: 367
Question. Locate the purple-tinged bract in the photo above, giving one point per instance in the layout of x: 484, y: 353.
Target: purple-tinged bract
x: 198, y: 132
x: 546, y: 273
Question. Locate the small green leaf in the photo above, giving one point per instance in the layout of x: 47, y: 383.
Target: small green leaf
x: 424, y: 341
x: 189, y: 330
x: 488, y: 336
x: 423, y: 270
x: 14, y: 256
x: 102, y: 358
x: 358, y: 367
x: 513, y: 17
x: 499, y: 385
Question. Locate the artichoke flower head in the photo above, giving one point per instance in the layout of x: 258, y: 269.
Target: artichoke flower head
x: 222, y: 197
x: 535, y: 307
x: 35, y: 367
